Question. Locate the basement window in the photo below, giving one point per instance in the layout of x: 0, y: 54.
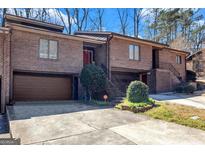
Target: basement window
x: 48, y: 49
x: 178, y: 59
x: 134, y: 52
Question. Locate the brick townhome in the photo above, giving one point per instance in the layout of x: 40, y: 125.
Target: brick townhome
x: 157, y: 65
x: 39, y: 62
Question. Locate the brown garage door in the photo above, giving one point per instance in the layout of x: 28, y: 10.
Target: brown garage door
x: 34, y: 88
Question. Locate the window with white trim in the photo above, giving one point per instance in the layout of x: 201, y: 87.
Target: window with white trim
x: 178, y: 59
x: 134, y: 52
x: 48, y: 49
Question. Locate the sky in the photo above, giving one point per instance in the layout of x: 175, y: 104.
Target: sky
x: 111, y: 20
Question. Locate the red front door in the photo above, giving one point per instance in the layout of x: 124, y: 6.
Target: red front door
x: 144, y: 78
x: 87, y: 57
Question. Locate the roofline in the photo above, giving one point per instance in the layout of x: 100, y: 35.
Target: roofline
x: 177, y: 50
x: 117, y: 34
x: 93, y: 32
x: 195, y: 53
x: 43, y: 23
x: 57, y: 34
x: 4, y: 30
x: 153, y: 43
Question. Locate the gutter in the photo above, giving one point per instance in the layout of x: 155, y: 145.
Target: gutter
x: 109, y: 38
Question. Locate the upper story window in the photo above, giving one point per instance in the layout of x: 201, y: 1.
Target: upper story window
x: 48, y: 49
x: 178, y: 59
x: 134, y: 52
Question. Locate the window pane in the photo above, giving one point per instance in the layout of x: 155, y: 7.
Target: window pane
x: 43, y: 53
x: 53, y: 45
x: 131, y: 49
x: 137, y: 55
x: 178, y: 60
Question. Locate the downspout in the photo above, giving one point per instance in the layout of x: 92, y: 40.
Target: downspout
x: 10, y: 71
x: 3, y: 102
x: 108, y: 55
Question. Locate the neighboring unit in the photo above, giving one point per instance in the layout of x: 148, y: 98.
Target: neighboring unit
x: 38, y: 62
x: 196, y: 62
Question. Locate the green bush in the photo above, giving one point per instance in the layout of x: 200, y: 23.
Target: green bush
x: 179, y: 89
x: 187, y: 88
x: 137, y: 91
x: 93, y: 79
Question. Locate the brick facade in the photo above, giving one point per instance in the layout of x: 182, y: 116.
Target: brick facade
x: 169, y: 56
x: 5, y: 68
x: 25, y: 54
x: 159, y: 80
x: 119, y: 55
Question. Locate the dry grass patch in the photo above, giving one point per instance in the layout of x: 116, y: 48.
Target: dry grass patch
x: 180, y: 114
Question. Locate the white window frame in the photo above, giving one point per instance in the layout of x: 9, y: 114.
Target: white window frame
x: 134, y: 52
x: 178, y: 59
x: 48, y: 52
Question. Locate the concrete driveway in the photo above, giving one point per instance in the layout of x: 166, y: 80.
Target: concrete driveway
x: 196, y: 100
x: 75, y: 123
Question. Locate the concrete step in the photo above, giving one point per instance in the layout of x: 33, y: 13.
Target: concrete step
x: 5, y: 135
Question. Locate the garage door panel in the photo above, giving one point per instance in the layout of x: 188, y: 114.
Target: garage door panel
x: 27, y: 87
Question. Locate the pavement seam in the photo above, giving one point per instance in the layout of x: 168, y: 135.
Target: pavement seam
x: 61, y: 137
x: 122, y: 136
x: 90, y: 125
x: 95, y: 129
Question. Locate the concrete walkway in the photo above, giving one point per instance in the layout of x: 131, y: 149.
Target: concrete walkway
x: 196, y: 100
x: 74, y: 123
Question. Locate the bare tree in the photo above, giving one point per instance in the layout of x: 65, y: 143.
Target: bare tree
x: 16, y: 11
x: 28, y: 12
x: 97, y: 20
x: 137, y: 18
x: 123, y: 17
x: 181, y: 43
x: 66, y: 21
x: 4, y: 11
x: 80, y: 17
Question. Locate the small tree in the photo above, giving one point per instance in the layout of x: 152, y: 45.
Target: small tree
x: 93, y: 79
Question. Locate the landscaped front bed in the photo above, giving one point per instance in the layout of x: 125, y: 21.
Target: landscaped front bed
x: 136, y: 107
x: 180, y: 114
x: 137, y: 99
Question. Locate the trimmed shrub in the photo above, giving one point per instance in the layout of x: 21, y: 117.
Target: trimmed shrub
x: 137, y: 91
x: 191, y: 75
x: 187, y: 88
x: 93, y: 79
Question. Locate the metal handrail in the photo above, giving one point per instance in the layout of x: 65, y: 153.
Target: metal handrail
x: 170, y: 67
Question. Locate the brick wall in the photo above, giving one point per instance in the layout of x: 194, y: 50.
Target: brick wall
x: 25, y: 53
x: 170, y: 57
x: 1, y: 53
x: 163, y: 80
x: 5, y: 69
x: 119, y: 55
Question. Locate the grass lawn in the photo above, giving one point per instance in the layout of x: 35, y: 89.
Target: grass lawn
x: 179, y: 114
